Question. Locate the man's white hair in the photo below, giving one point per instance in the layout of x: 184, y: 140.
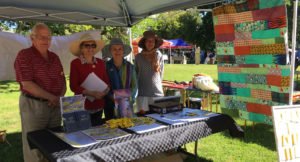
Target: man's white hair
x: 37, y: 27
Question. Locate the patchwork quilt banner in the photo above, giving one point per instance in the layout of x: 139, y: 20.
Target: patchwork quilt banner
x: 251, y: 53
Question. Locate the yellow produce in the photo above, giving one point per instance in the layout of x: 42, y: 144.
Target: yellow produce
x: 122, y: 122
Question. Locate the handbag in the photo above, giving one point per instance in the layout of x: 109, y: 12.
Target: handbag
x: 204, y: 83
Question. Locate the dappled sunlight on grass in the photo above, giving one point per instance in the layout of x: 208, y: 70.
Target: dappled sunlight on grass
x: 8, y: 86
x: 185, y: 72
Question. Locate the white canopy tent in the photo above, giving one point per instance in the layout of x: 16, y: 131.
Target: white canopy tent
x: 95, y: 12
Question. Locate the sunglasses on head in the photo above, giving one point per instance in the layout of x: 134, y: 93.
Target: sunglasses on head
x: 89, y: 45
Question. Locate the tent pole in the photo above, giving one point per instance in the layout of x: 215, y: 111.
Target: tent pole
x: 130, y: 42
x: 170, y: 55
x: 293, y: 51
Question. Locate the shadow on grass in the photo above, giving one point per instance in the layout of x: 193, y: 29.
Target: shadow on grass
x: 259, y: 133
x: 193, y: 159
x: 14, y: 151
x: 190, y: 157
x: 9, y: 86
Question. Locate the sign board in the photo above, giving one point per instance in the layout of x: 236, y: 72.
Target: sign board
x: 286, y: 121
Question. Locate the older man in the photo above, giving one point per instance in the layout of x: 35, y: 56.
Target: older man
x: 41, y: 78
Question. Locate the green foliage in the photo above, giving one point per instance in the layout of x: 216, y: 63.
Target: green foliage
x: 197, y: 28
x: 24, y: 27
x: 4, y: 25
x: 190, y: 25
x: 115, y: 32
x: 165, y: 24
x: 168, y: 24
x: 148, y: 23
x: 73, y: 28
x: 290, y: 10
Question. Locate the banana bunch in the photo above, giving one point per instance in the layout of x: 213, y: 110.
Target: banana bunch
x: 122, y: 122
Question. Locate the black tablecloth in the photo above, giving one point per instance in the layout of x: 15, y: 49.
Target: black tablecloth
x: 134, y: 146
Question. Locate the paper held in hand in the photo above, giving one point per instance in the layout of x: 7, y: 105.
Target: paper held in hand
x: 93, y: 83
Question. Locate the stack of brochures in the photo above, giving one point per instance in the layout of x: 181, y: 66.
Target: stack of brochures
x: 93, y: 83
x: 91, y: 136
x: 181, y: 117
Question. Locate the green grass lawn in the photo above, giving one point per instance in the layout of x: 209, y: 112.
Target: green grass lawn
x: 257, y: 146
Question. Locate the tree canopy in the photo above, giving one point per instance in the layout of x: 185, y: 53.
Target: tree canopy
x: 194, y: 27
x: 24, y: 28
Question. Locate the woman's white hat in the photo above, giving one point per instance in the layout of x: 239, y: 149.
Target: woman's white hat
x: 75, y: 45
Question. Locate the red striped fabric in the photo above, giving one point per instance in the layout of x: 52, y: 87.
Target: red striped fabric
x: 249, y: 65
x: 259, y: 108
x: 224, y: 29
x: 278, y: 22
x: 242, y: 50
x: 253, y: 4
x: 31, y: 66
x: 269, y: 13
x: 274, y: 80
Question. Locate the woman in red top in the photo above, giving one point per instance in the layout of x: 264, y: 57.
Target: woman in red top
x: 85, y: 48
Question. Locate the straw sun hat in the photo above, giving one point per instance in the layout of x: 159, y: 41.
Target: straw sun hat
x: 75, y: 45
x: 150, y: 34
x: 115, y: 41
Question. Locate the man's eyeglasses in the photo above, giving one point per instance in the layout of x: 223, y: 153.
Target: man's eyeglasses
x: 39, y: 37
x: 89, y: 45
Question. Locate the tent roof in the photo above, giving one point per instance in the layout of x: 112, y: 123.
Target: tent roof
x: 176, y: 44
x: 94, y: 12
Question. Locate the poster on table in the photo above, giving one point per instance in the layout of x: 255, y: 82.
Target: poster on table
x: 286, y: 121
x: 123, y: 103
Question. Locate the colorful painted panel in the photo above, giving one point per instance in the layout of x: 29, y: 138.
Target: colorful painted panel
x: 251, y: 53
